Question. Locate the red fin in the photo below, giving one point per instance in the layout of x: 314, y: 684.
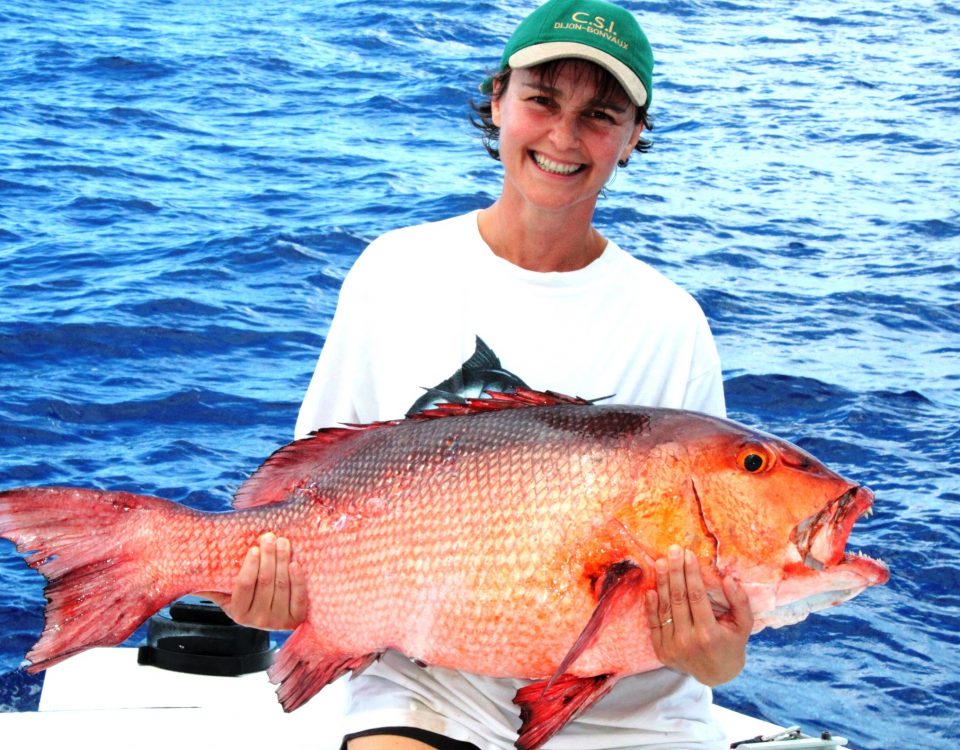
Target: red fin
x: 99, y: 588
x: 288, y: 467
x: 546, y: 707
x: 611, y: 546
x: 620, y: 581
x: 498, y: 401
x: 304, y: 666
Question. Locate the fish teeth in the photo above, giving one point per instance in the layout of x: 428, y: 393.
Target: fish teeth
x: 864, y: 556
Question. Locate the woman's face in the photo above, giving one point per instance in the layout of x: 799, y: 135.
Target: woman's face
x: 559, y: 143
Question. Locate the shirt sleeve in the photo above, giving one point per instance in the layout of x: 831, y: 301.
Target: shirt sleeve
x: 341, y: 375
x: 705, y: 394
x: 704, y: 391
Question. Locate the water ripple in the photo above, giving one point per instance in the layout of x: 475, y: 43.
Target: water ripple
x: 178, y: 210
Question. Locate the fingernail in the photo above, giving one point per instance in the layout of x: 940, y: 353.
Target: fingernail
x: 283, y: 543
x: 268, y: 538
x: 674, y: 551
x: 689, y: 556
x: 661, y: 566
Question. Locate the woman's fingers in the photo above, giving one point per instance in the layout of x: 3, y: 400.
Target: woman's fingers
x: 270, y: 590
x: 701, y: 611
x: 685, y: 632
x: 677, y: 582
x: 298, y: 595
x: 245, y: 584
x: 280, y: 601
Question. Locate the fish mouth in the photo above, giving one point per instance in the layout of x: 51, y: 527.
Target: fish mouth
x: 828, y: 575
x: 821, y: 539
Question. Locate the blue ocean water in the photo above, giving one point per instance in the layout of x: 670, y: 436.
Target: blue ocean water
x: 183, y: 186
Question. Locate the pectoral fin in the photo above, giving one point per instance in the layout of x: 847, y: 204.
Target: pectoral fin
x: 618, y: 583
x: 546, y: 706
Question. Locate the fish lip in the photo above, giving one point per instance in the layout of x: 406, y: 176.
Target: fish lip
x: 821, y: 538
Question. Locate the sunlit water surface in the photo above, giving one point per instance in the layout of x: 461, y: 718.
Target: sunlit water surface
x: 183, y: 186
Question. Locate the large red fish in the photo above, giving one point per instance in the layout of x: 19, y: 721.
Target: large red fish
x: 490, y: 538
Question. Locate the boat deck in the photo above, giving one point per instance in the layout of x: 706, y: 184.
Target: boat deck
x: 104, y: 694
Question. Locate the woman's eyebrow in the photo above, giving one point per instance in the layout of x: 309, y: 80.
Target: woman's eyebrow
x: 542, y: 88
x: 596, y: 103
x: 608, y: 104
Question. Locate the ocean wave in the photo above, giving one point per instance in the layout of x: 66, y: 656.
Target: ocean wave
x: 122, y: 68
x: 180, y: 209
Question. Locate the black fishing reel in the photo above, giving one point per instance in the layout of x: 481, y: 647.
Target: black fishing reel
x: 194, y: 635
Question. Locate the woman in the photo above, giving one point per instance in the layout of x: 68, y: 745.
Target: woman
x: 527, y: 291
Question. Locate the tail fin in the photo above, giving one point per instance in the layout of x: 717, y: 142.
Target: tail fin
x: 91, y: 547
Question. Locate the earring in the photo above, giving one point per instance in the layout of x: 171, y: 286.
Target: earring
x: 623, y: 162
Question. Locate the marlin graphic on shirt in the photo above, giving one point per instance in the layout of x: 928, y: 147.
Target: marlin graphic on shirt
x: 482, y: 372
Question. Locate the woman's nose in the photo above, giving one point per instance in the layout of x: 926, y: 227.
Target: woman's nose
x: 565, y: 133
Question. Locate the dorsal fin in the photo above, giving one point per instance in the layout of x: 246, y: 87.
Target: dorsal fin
x: 286, y: 468
x: 499, y: 401
x: 483, y: 357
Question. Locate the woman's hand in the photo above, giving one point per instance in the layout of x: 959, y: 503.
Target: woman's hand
x: 270, y: 591
x: 687, y: 635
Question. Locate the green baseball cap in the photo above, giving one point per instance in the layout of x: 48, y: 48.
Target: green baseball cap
x: 590, y: 30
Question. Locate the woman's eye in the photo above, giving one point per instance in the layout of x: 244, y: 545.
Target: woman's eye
x: 599, y: 114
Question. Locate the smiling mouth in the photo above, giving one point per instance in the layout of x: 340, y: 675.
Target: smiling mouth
x: 556, y: 167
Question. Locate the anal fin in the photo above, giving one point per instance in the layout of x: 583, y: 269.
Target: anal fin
x: 304, y: 667
x: 546, y: 706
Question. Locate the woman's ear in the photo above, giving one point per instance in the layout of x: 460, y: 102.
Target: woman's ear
x: 632, y: 143
x: 495, y: 101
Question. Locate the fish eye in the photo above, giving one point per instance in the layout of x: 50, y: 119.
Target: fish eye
x: 754, y: 459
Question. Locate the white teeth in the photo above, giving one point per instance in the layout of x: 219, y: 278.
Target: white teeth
x: 549, y: 165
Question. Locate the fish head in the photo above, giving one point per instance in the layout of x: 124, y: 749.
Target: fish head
x: 780, y: 521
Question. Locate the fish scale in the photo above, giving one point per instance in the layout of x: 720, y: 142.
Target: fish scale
x: 511, y: 537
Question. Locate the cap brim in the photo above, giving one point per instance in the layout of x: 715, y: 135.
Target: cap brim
x: 541, y: 53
